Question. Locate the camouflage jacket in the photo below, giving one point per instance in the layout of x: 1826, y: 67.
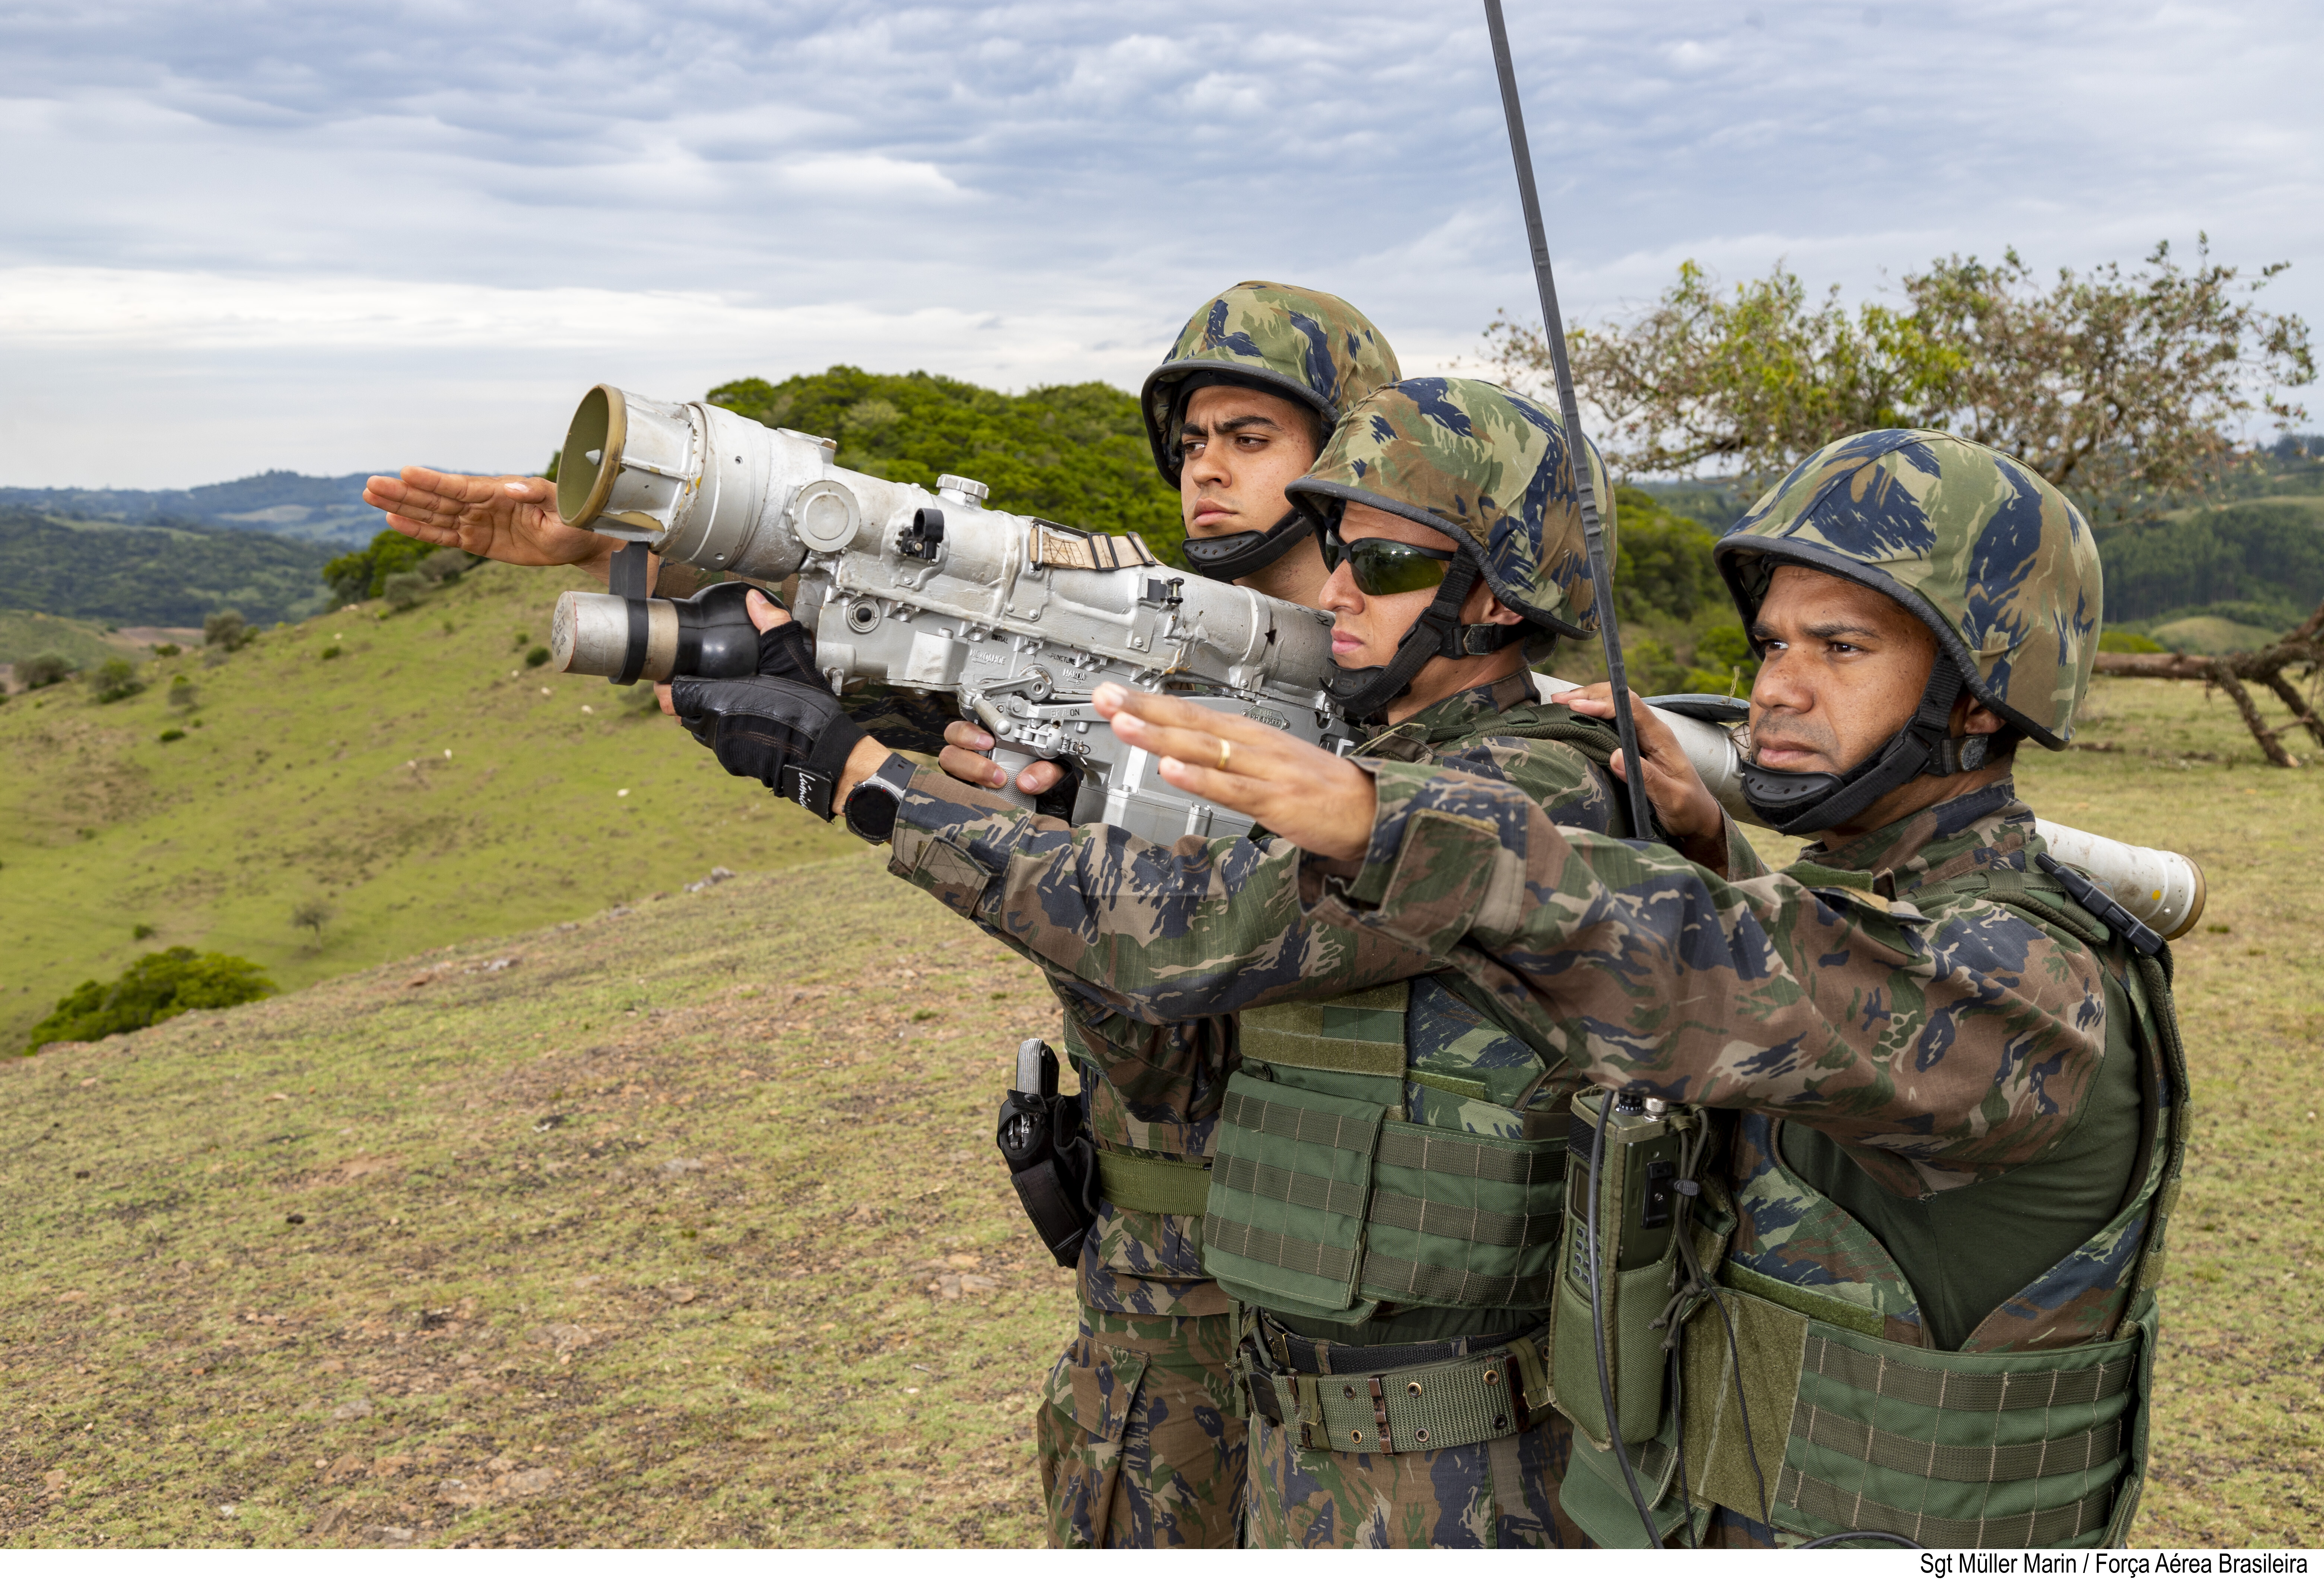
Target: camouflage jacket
x: 1109, y: 917
x: 1937, y: 1048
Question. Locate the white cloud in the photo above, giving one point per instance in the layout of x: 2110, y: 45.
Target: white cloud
x: 431, y: 214
x: 867, y: 175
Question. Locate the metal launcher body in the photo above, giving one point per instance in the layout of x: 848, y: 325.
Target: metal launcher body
x: 1020, y: 617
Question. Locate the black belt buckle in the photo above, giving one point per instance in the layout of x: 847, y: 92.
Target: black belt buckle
x: 1256, y: 1381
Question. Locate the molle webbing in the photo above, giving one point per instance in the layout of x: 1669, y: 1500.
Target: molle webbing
x: 1309, y: 1258
x: 1384, y: 1276
x: 1152, y: 1184
x: 2085, y: 1517
x: 1324, y: 1200
x: 1957, y: 1462
x: 1934, y: 1387
x: 1291, y: 1122
x: 1994, y: 1449
x: 1458, y: 1173
x: 1436, y: 1151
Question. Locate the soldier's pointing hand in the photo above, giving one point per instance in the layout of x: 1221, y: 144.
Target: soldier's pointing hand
x: 513, y: 520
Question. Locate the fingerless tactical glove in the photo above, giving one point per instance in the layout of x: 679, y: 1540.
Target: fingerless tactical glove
x: 788, y: 651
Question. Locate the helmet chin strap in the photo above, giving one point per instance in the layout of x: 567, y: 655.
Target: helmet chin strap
x: 1803, y: 803
x: 1365, y: 693
x: 1241, y: 554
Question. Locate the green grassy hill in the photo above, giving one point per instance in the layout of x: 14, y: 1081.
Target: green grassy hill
x: 300, y: 778
x: 26, y: 634
x: 682, y: 1228
x: 2212, y: 633
x: 685, y: 1227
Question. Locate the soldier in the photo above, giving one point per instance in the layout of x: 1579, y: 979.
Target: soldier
x: 1946, y: 1095
x: 1447, y: 512
x: 1137, y: 1437
x: 1139, y: 1440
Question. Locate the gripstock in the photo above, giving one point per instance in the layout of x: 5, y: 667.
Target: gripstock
x: 1018, y: 617
x: 2161, y: 888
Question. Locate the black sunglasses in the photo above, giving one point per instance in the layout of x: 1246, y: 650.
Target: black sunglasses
x: 1381, y: 566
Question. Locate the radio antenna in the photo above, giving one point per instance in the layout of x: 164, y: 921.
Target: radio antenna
x: 1601, y: 575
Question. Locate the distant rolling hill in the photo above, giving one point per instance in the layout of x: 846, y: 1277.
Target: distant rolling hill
x: 170, y: 575
x: 299, y: 778
x: 287, y: 504
x: 24, y: 634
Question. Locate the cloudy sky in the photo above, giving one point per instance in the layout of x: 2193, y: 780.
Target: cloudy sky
x: 334, y: 237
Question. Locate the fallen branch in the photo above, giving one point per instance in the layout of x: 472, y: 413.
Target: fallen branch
x: 2302, y: 648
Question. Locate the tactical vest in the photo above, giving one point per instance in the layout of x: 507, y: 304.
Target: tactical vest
x: 1148, y: 1181
x: 1390, y: 1150
x: 1354, y: 1168
x: 2035, y: 1434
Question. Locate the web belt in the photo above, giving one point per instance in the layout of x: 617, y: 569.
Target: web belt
x: 1397, y: 1398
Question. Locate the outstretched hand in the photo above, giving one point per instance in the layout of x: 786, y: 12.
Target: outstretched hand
x: 1689, y: 813
x: 1318, y: 802
x: 513, y: 520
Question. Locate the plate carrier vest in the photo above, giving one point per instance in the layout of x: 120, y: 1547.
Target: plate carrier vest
x: 1997, y: 1444
x: 1384, y: 1148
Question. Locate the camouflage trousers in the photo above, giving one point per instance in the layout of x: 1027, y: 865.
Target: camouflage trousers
x: 1138, y: 1440
x: 1501, y: 1494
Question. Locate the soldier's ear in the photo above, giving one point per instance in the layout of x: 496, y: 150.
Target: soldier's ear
x: 1974, y: 718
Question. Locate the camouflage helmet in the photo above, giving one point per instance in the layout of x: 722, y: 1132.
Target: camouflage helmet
x: 1304, y: 344
x: 1486, y: 468
x: 1992, y: 557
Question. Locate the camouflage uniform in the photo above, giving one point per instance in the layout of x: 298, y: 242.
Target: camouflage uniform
x: 1139, y: 1439
x: 1956, y: 1098
x: 901, y: 719
x: 1112, y: 916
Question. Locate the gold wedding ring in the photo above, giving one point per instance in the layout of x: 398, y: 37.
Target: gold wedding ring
x: 1226, y: 751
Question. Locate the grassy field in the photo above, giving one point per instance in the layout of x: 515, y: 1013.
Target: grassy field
x: 682, y: 1226
x: 2208, y: 633
x: 423, y: 784
x: 26, y: 635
